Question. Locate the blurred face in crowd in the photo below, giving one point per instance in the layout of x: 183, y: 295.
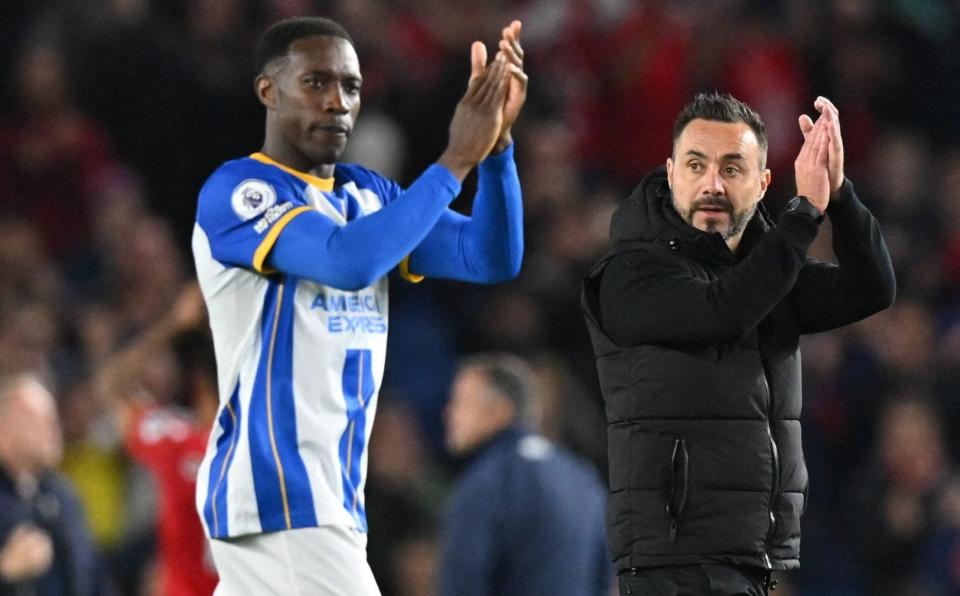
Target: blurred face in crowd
x: 313, y: 97
x: 911, y: 444
x: 715, y: 177
x: 30, y: 435
x: 474, y: 413
x: 42, y: 79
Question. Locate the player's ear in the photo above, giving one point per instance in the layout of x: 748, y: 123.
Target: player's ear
x: 670, y: 172
x: 263, y: 87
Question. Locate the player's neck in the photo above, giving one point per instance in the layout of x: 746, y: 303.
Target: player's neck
x: 283, y: 153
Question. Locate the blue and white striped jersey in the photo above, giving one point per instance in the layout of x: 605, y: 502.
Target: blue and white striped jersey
x: 299, y: 364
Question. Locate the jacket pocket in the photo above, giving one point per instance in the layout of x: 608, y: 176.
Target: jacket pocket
x: 679, y: 485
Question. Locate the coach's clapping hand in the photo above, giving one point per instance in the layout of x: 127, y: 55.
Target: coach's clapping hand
x: 835, y: 153
x: 810, y: 167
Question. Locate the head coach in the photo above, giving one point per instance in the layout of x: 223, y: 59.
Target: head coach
x: 695, y: 315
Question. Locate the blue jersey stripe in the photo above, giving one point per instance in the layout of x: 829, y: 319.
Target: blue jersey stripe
x: 358, y: 390
x: 299, y: 493
x: 215, y: 507
x: 281, y: 485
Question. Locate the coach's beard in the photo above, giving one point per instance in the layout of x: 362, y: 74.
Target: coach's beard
x: 738, y: 219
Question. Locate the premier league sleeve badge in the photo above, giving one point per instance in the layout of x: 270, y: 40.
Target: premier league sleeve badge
x: 251, y: 198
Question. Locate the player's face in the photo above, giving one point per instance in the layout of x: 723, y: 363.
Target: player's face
x: 715, y: 177
x: 318, y: 97
x: 472, y: 415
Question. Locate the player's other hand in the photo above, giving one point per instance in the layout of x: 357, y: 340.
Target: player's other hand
x: 478, y: 120
x: 811, y: 165
x: 829, y: 112
x: 517, y: 91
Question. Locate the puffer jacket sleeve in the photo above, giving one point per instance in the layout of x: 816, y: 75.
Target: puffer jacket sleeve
x: 652, y: 296
x: 827, y: 296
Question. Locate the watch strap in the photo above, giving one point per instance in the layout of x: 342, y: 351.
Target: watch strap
x: 800, y: 204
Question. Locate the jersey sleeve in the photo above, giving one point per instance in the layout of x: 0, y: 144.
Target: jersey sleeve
x: 487, y: 246
x: 242, y: 210
x: 386, y: 190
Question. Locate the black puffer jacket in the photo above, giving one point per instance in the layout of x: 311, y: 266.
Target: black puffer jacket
x: 698, y: 357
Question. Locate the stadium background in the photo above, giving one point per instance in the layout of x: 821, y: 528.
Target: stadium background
x: 113, y: 112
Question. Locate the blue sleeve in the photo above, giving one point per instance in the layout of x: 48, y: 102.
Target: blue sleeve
x: 468, y: 543
x: 242, y: 209
x: 353, y: 256
x: 486, y: 247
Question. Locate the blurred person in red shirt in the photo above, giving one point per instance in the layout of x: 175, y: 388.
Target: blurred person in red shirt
x: 168, y: 441
x: 645, y: 81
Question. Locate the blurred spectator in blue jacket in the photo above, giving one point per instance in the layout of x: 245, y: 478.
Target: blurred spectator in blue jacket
x: 526, y: 517
x: 45, y: 548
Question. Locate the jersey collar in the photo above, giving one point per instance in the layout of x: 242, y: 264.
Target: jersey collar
x: 324, y: 184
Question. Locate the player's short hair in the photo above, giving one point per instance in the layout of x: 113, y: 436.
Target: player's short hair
x: 275, y: 41
x: 509, y: 377
x: 722, y: 108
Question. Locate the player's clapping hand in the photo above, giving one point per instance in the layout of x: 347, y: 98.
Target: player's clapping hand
x: 829, y: 112
x: 517, y: 92
x: 810, y: 167
x: 478, y: 119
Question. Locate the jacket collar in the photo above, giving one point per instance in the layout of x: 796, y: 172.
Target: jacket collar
x: 647, y: 215
x: 505, y: 436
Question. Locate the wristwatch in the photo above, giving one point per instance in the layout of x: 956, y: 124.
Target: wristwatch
x: 800, y: 204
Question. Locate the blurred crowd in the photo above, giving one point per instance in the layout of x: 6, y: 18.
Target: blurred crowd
x: 113, y: 112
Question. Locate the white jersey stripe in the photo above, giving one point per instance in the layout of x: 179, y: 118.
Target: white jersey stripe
x: 322, y: 204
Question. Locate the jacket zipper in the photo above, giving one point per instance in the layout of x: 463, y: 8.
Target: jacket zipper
x: 678, y: 459
x: 775, y: 484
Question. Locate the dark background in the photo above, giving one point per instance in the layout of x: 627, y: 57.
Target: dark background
x: 113, y: 112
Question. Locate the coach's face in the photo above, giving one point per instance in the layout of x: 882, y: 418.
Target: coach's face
x: 313, y: 98
x: 715, y: 177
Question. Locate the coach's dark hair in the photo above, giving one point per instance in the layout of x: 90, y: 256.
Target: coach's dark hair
x: 509, y: 377
x: 722, y: 108
x: 275, y: 41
